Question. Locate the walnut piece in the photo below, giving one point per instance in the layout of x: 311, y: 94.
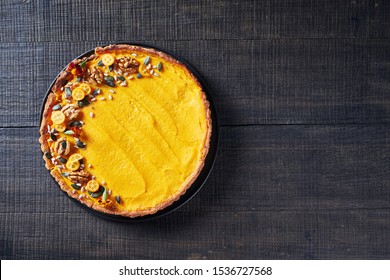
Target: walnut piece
x: 127, y: 65
x: 71, y: 111
x: 94, y: 76
x: 107, y: 203
x: 81, y: 176
x: 62, y: 146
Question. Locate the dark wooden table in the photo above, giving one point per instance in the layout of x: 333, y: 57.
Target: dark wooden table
x: 302, y: 90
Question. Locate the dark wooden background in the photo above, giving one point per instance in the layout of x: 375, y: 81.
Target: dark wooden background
x: 302, y: 92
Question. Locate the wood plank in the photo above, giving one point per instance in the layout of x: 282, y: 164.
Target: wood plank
x: 38, y: 21
x: 318, y: 189
x: 277, y: 192
x: 301, y: 167
x: 21, y: 87
x: 301, y: 81
x: 316, y: 234
x: 259, y: 168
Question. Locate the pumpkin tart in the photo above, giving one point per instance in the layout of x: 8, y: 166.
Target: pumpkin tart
x: 126, y: 130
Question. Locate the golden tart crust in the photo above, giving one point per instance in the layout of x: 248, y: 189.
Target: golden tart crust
x: 135, y: 74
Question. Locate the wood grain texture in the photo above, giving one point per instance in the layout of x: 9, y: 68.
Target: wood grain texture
x: 302, y: 91
x: 291, y: 234
x: 308, y: 190
x: 121, y: 20
x: 301, y: 81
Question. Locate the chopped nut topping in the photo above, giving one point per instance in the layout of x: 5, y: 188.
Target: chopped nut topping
x: 62, y: 147
x: 70, y: 111
x: 107, y: 203
x: 81, y: 176
x: 127, y: 65
x: 94, y: 76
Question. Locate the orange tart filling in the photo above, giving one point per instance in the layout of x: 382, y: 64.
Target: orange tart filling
x: 126, y: 130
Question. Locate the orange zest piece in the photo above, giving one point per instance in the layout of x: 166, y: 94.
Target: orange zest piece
x: 86, y: 88
x: 57, y: 117
x: 60, y: 127
x: 75, y: 157
x: 78, y: 94
x: 108, y: 59
x: 92, y: 186
x: 72, y: 165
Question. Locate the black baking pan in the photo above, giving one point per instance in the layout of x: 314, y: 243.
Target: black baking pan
x: 205, y: 172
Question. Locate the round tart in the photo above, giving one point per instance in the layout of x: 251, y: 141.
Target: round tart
x: 126, y: 130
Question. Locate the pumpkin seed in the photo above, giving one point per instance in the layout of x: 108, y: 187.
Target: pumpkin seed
x: 62, y: 160
x: 122, y: 78
x: 79, y: 79
x: 68, y: 92
x: 110, y: 81
x: 110, y: 68
x: 147, y: 60
x: 98, y: 193
x: 63, y: 144
x: 139, y: 76
x: 82, y: 64
x: 75, y: 123
x: 80, y: 144
x: 83, y: 103
x: 53, y: 137
x: 96, y: 92
x: 118, y: 199
x: 56, y: 107
x: 76, y: 187
x: 65, y: 174
x: 100, y: 63
x: 48, y: 155
x: 159, y: 66
x: 69, y: 132
x: 104, y: 197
